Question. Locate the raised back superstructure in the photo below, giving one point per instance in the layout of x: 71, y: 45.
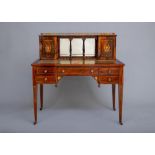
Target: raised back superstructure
x: 70, y: 45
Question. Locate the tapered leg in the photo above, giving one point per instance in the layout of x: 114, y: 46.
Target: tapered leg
x: 113, y: 96
x: 120, y: 91
x: 35, y: 102
x: 41, y: 96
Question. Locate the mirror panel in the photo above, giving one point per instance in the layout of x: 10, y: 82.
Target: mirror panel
x: 77, y: 47
x: 90, y: 47
x: 64, y: 47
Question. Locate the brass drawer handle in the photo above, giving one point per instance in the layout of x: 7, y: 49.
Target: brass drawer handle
x: 109, y: 79
x: 92, y: 70
x: 63, y: 71
x: 110, y: 71
x: 45, y: 79
x: 45, y: 71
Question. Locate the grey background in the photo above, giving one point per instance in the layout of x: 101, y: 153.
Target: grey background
x: 77, y: 105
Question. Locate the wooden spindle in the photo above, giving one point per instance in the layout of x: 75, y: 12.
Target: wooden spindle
x: 83, y: 47
x: 70, y: 39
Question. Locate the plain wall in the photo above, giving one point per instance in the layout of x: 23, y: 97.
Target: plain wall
x: 19, y: 47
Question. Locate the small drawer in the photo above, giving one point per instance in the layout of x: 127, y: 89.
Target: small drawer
x: 108, y: 71
x: 45, y: 79
x: 46, y: 70
x: 109, y: 79
x: 81, y: 71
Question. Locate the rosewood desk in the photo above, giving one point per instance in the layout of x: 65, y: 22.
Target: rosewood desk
x: 58, y: 60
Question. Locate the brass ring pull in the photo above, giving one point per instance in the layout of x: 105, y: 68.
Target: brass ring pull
x: 45, y: 71
x: 46, y: 79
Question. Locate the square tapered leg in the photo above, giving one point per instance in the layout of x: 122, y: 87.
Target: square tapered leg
x: 113, y: 96
x: 120, y: 96
x: 41, y: 96
x: 35, y: 103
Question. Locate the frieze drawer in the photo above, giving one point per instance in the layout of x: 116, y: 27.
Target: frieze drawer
x: 46, y: 79
x: 108, y: 71
x: 78, y: 71
x: 109, y: 79
x: 46, y: 70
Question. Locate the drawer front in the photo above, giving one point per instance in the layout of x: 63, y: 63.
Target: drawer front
x: 45, y: 70
x: 77, y: 71
x: 109, y: 79
x: 109, y: 71
x: 45, y: 79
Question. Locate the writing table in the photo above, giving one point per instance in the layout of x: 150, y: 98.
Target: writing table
x: 77, y: 55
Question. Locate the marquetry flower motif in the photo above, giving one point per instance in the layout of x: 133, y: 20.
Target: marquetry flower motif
x: 107, y: 47
x: 49, y: 47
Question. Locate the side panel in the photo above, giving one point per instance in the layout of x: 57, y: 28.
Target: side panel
x: 107, y: 47
x: 48, y: 47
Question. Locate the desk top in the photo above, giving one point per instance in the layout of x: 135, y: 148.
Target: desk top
x: 77, y: 62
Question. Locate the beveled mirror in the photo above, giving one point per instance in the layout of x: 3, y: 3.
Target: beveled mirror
x: 77, y: 47
x: 64, y: 47
x: 90, y: 47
